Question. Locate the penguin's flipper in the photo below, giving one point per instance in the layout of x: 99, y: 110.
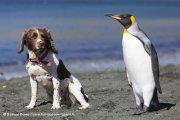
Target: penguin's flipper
x: 155, y: 67
x: 149, y: 48
x: 141, y: 35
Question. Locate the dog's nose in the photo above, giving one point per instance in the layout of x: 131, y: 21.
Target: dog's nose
x: 41, y: 43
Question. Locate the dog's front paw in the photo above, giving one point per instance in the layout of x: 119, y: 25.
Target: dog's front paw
x: 55, y: 107
x: 84, y: 106
x: 29, y: 107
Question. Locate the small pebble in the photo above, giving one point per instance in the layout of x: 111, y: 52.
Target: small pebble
x: 3, y: 105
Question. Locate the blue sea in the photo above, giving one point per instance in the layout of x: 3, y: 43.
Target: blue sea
x: 87, y: 40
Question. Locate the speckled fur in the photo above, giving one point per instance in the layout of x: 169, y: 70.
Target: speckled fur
x: 60, y: 85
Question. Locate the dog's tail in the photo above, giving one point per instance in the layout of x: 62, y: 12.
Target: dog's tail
x: 85, y: 96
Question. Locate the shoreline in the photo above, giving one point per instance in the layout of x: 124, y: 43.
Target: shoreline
x: 110, y: 96
x: 8, y: 73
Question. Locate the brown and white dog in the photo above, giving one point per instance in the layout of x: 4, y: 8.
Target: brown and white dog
x: 44, y: 67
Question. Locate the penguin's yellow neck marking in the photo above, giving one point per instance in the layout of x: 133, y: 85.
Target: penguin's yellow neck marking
x: 133, y: 20
x: 125, y: 31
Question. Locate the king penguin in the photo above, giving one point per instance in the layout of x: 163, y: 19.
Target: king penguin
x: 141, y: 63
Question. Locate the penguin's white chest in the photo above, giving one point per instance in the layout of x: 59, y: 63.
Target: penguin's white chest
x: 137, y: 61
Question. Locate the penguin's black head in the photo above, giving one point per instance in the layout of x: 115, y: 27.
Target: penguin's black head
x: 125, y: 19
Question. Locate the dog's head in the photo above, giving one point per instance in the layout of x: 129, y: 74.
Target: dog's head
x: 37, y: 40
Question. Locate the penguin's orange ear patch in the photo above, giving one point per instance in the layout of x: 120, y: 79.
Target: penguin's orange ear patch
x: 133, y: 20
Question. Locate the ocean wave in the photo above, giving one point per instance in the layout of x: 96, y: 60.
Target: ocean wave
x: 8, y: 72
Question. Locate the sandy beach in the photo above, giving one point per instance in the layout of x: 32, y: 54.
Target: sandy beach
x: 110, y: 97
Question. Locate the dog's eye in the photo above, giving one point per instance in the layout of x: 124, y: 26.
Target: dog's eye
x: 43, y: 36
x: 34, y: 35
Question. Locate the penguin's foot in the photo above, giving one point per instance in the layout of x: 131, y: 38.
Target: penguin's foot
x: 154, y: 107
x: 141, y: 110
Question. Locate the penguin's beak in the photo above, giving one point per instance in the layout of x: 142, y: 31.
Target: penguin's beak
x: 113, y: 16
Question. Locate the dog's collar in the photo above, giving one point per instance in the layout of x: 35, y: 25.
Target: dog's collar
x: 41, y: 61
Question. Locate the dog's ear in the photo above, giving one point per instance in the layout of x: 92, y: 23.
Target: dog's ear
x: 52, y: 47
x: 23, y: 42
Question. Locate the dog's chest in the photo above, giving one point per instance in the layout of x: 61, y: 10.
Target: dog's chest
x: 37, y: 72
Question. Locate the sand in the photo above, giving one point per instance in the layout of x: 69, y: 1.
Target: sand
x: 110, y: 96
